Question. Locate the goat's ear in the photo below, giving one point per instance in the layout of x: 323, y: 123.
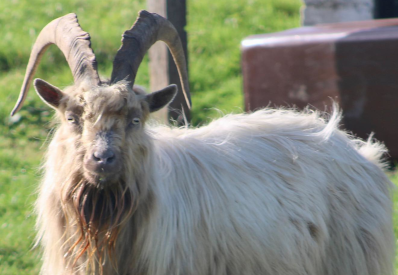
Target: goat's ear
x: 157, y: 100
x: 48, y: 93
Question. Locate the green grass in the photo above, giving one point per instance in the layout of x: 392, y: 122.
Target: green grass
x: 215, y: 30
x: 18, y: 181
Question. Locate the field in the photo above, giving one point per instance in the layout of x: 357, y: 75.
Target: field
x: 215, y: 30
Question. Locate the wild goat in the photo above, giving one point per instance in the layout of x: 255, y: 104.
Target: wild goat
x: 273, y: 192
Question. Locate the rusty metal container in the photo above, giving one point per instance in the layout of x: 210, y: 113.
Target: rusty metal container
x: 355, y: 64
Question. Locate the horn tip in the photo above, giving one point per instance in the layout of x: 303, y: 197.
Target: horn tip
x: 188, y: 101
x: 14, y: 111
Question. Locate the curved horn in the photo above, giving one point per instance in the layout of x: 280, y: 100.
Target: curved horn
x: 147, y: 29
x: 66, y: 33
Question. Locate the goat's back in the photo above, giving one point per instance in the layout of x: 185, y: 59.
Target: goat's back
x: 272, y: 192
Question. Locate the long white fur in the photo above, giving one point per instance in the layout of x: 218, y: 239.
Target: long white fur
x: 242, y: 195
x: 273, y: 192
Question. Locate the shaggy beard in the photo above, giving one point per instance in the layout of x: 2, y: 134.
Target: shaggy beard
x: 94, y: 218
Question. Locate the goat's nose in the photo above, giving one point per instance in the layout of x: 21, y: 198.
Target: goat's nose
x: 102, y: 161
x: 104, y: 156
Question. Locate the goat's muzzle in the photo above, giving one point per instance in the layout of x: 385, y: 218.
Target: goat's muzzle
x: 102, y: 166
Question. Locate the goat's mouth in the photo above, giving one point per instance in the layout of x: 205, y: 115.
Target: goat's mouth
x: 101, y: 180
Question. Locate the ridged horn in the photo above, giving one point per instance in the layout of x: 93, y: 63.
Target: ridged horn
x: 147, y: 29
x: 66, y: 33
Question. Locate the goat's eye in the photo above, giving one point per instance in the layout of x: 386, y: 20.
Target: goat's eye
x: 135, y: 121
x: 71, y: 119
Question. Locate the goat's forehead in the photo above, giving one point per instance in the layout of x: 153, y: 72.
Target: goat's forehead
x: 107, y: 99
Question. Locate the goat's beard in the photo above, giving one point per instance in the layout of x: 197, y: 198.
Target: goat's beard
x: 94, y: 219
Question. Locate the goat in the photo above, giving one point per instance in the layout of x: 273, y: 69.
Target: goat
x: 272, y: 192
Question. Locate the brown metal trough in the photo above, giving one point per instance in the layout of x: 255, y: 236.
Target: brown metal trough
x: 355, y: 64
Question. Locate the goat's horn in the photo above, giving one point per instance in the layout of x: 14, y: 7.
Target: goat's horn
x: 66, y: 33
x: 147, y: 29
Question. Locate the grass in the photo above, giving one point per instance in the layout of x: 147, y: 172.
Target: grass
x: 18, y: 180
x: 215, y: 30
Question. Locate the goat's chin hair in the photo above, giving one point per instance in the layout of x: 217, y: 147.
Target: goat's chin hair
x: 94, y: 218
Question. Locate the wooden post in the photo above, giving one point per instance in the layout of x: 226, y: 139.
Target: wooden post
x: 161, y: 65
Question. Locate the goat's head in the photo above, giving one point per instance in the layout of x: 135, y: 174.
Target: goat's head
x: 104, y: 114
x: 101, y: 132
x: 103, y: 125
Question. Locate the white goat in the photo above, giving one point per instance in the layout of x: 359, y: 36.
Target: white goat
x: 273, y: 192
